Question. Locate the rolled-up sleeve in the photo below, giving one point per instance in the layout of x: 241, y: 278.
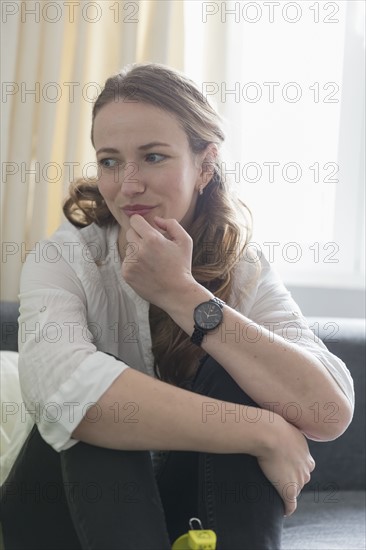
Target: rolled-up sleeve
x: 276, y: 310
x: 61, y: 372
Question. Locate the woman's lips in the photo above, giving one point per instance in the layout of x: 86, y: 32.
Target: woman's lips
x: 142, y: 210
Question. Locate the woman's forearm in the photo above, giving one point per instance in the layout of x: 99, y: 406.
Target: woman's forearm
x: 138, y: 412
x: 277, y: 374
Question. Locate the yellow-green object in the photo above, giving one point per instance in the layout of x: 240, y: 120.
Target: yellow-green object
x: 196, y: 539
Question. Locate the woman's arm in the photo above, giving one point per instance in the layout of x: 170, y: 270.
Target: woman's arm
x: 278, y: 375
x: 162, y: 416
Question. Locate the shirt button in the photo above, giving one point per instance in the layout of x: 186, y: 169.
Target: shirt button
x: 43, y: 309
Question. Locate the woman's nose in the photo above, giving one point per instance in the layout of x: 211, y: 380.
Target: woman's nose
x: 131, y: 179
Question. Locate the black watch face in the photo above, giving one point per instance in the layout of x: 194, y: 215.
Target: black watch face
x: 208, y: 316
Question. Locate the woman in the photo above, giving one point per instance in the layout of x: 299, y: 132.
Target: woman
x: 149, y: 323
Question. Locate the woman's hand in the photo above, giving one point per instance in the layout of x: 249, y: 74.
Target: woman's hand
x: 286, y: 462
x: 161, y: 269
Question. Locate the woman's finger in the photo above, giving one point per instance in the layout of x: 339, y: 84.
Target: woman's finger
x: 174, y: 230
x: 141, y: 226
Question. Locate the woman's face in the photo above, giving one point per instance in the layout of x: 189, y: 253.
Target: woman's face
x: 146, y: 164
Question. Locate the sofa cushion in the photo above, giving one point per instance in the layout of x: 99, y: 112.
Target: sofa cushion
x: 15, y: 423
x: 326, y: 520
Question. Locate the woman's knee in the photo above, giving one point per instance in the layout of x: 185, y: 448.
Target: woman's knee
x: 118, y: 488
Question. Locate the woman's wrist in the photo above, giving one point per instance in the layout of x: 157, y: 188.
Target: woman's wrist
x: 180, y: 304
x: 266, y: 429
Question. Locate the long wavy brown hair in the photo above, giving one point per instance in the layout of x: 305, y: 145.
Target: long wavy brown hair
x: 222, y: 223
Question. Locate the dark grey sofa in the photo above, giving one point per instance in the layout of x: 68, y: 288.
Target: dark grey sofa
x: 331, y: 509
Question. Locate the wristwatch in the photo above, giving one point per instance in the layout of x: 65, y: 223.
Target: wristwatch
x: 207, y: 316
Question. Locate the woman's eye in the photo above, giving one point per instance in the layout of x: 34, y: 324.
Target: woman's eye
x: 108, y: 163
x: 154, y: 157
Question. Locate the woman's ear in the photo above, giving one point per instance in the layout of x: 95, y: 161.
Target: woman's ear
x: 209, y: 164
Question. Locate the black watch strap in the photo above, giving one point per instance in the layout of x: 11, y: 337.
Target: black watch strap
x: 197, y: 336
x: 199, y: 333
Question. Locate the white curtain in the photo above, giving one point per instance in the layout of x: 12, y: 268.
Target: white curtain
x: 54, y: 59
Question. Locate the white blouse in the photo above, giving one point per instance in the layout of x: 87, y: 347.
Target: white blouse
x: 75, y: 308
